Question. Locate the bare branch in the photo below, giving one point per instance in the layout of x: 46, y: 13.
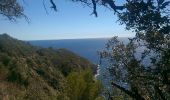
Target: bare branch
x: 53, y: 5
x: 94, y: 8
x: 45, y: 7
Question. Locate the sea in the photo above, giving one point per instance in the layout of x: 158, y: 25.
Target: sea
x: 87, y: 48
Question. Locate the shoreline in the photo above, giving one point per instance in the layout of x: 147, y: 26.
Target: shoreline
x: 97, y: 72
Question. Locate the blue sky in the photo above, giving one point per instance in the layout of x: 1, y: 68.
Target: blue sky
x: 71, y: 21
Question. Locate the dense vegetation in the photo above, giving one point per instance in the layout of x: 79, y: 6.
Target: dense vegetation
x: 150, y: 20
x: 28, y: 72
x: 144, y: 63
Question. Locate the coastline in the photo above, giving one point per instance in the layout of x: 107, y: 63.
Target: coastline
x: 97, y: 72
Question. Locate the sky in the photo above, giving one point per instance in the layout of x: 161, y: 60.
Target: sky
x: 71, y: 21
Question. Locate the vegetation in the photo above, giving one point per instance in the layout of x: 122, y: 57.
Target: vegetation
x: 82, y: 86
x: 11, y: 9
x: 28, y: 72
x: 149, y: 19
x: 144, y: 63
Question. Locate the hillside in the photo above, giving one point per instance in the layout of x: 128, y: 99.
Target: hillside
x: 35, y: 73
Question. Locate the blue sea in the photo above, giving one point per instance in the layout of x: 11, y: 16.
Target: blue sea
x: 87, y: 48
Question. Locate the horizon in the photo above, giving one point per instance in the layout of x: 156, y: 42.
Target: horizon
x: 72, y: 21
x: 63, y: 38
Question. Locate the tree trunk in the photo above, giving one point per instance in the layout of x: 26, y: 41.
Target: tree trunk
x: 134, y: 95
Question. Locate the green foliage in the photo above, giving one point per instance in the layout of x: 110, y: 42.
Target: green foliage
x: 144, y: 63
x: 11, y: 9
x: 82, y: 86
x: 30, y: 73
x: 5, y: 59
x: 149, y: 19
x: 16, y: 77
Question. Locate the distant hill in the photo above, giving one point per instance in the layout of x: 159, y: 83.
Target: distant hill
x: 35, y: 73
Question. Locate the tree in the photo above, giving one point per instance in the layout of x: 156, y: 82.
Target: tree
x: 149, y: 19
x: 11, y: 9
x: 82, y: 86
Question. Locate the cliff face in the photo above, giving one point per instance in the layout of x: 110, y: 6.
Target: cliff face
x: 29, y: 72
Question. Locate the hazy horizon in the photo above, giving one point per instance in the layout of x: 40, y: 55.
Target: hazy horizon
x: 71, y: 21
x: 61, y: 38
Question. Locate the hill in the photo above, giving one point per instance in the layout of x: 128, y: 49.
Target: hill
x: 35, y: 73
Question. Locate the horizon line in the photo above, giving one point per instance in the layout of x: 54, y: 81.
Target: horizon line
x: 74, y: 38
x: 106, y: 37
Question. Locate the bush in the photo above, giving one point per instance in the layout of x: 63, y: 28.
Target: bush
x: 16, y: 77
x: 82, y: 86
